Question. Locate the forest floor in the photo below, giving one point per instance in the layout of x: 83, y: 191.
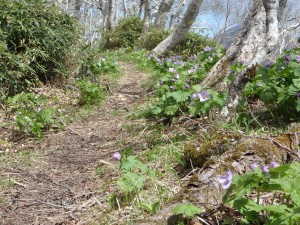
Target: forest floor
x: 58, y: 182
x: 70, y: 177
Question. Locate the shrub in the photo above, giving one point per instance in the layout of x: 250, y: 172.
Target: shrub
x: 278, y: 85
x: 32, y: 115
x: 152, y: 38
x: 193, y: 44
x: 124, y: 35
x: 90, y: 93
x: 36, y: 38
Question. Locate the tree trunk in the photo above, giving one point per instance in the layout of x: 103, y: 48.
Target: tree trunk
x: 180, y: 32
x: 162, y: 13
x: 74, y: 8
x: 110, y: 14
x: 175, y: 16
x: 256, y: 40
x: 142, y: 3
x: 147, y: 16
x: 124, y: 4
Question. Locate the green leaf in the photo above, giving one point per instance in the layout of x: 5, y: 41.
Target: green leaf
x: 171, y: 110
x: 296, y: 82
x: 197, y: 87
x: 131, y: 182
x: 187, y: 210
x: 179, y: 96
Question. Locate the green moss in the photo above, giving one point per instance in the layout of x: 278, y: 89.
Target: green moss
x: 200, y: 151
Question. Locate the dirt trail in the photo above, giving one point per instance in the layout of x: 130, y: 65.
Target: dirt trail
x: 62, y: 187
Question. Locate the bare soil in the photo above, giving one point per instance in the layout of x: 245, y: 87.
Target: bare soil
x: 62, y: 187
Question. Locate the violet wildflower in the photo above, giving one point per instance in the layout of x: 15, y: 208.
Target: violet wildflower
x: 193, y: 96
x: 253, y: 166
x: 38, y: 109
x: 172, y: 87
x: 187, y: 86
x: 161, y: 82
x: 188, y: 81
x: 177, y: 76
x: 287, y: 57
x: 196, y: 66
x: 117, y: 156
x: 268, y: 63
x: 298, y: 95
x: 203, y: 96
x: 297, y: 58
x: 274, y: 164
x: 172, y: 70
x: 226, y: 180
x: 208, y: 49
x: 266, y: 169
x: 190, y: 71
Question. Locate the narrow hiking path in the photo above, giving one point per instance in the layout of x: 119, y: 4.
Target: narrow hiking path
x: 61, y: 187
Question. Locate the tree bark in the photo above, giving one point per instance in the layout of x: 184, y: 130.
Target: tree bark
x: 110, y: 14
x: 256, y: 40
x: 142, y: 3
x: 147, y: 16
x: 175, y: 16
x: 162, y: 13
x: 74, y: 8
x: 180, y: 32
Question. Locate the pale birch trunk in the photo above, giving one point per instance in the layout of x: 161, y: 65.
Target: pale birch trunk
x: 124, y: 4
x: 162, y: 13
x: 175, y: 17
x: 74, y: 8
x: 181, y: 30
x: 142, y: 3
x: 147, y: 16
x: 257, y: 38
x: 110, y: 14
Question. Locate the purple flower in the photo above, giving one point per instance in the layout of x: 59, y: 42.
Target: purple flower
x: 161, y: 82
x: 297, y: 58
x: 172, y: 87
x: 253, y: 166
x: 265, y: 169
x: 226, y: 180
x: 193, y: 96
x: 268, y: 63
x: 208, y: 49
x: 187, y: 86
x: 177, y: 76
x: 172, y: 70
x: 274, y: 164
x: 188, y: 81
x: 298, y: 95
x: 117, y: 156
x: 190, y: 71
x: 287, y: 57
x: 203, y: 96
x: 196, y: 66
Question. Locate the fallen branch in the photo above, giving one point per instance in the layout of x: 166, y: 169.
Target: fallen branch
x: 74, y: 131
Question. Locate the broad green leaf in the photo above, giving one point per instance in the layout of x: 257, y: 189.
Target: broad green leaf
x: 187, y: 210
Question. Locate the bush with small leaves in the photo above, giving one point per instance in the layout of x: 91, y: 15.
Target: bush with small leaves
x: 35, y: 39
